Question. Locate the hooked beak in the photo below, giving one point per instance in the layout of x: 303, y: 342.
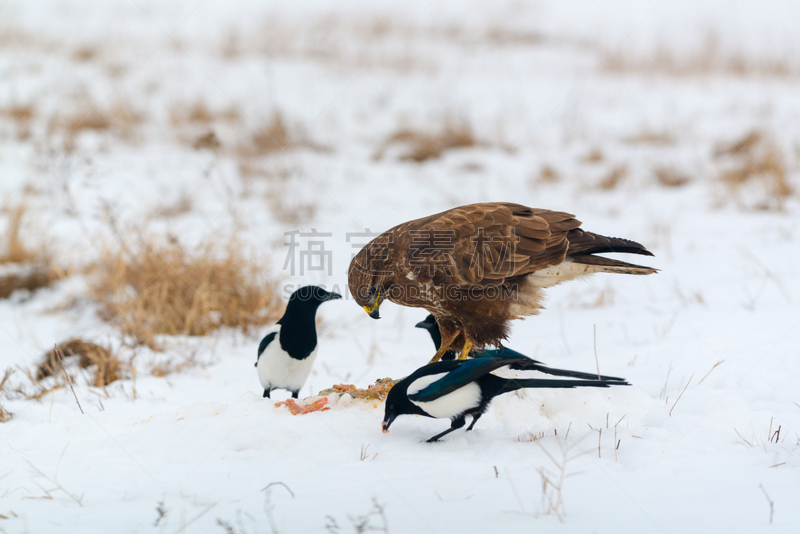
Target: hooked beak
x: 373, y: 310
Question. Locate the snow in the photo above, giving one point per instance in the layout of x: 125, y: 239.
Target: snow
x: 533, y: 81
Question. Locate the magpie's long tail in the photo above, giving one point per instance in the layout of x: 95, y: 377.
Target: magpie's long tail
x: 520, y: 383
x: 529, y: 364
x: 563, y: 372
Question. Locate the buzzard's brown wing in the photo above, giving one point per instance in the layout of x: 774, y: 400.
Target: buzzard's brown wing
x: 486, y: 243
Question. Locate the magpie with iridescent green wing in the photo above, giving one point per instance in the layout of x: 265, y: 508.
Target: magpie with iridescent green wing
x: 523, y: 363
x: 454, y: 389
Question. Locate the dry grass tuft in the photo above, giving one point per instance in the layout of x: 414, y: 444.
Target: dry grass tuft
x: 709, y: 58
x: 160, y: 288
x: 108, y: 368
x: 36, y: 278
x: 18, y: 113
x: 548, y: 175
x: 169, y: 367
x: 740, y: 147
x: 6, y: 375
x: 530, y: 437
x: 294, y: 214
x: 200, y: 113
x: 119, y: 118
x: 274, y: 137
x: 4, y: 415
x: 15, y: 250
x: 35, y: 269
x: 88, y: 117
x: 207, y: 141
x: 290, y: 211
x: 595, y: 156
x: 181, y: 206
x: 613, y: 178
x: 754, y: 167
x: 84, y: 53
x: 670, y: 177
x: 422, y: 146
x: 648, y: 137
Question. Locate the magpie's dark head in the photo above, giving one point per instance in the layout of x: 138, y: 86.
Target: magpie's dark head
x: 397, y: 403
x: 429, y: 323
x: 311, y: 296
x: 432, y: 327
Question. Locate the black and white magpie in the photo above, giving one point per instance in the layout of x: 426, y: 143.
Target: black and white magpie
x: 454, y: 389
x: 287, y: 352
x: 523, y: 363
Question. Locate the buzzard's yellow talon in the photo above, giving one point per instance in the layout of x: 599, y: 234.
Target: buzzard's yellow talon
x: 466, y: 350
x: 439, y: 353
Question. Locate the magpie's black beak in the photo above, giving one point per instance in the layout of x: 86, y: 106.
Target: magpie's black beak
x: 422, y: 324
x: 387, y: 423
x: 334, y: 296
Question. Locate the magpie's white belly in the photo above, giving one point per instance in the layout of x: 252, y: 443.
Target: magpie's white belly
x: 455, y: 403
x: 276, y: 369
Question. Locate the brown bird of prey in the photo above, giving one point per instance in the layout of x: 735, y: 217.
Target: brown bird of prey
x: 477, y: 267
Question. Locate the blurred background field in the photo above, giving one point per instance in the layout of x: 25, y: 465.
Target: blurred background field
x: 155, y: 159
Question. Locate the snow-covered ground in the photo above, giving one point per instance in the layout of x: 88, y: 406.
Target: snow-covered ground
x: 603, y: 94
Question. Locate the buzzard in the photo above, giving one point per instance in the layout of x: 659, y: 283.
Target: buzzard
x: 477, y: 267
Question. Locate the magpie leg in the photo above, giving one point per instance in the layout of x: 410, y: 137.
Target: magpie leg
x: 474, y: 420
x: 294, y: 394
x: 266, y: 393
x: 455, y: 425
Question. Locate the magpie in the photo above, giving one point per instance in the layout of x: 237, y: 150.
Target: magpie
x: 523, y: 363
x: 287, y: 352
x: 453, y: 389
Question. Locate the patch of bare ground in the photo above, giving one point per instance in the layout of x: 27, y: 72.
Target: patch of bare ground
x: 420, y: 146
x: 753, y: 172
x: 160, y: 288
